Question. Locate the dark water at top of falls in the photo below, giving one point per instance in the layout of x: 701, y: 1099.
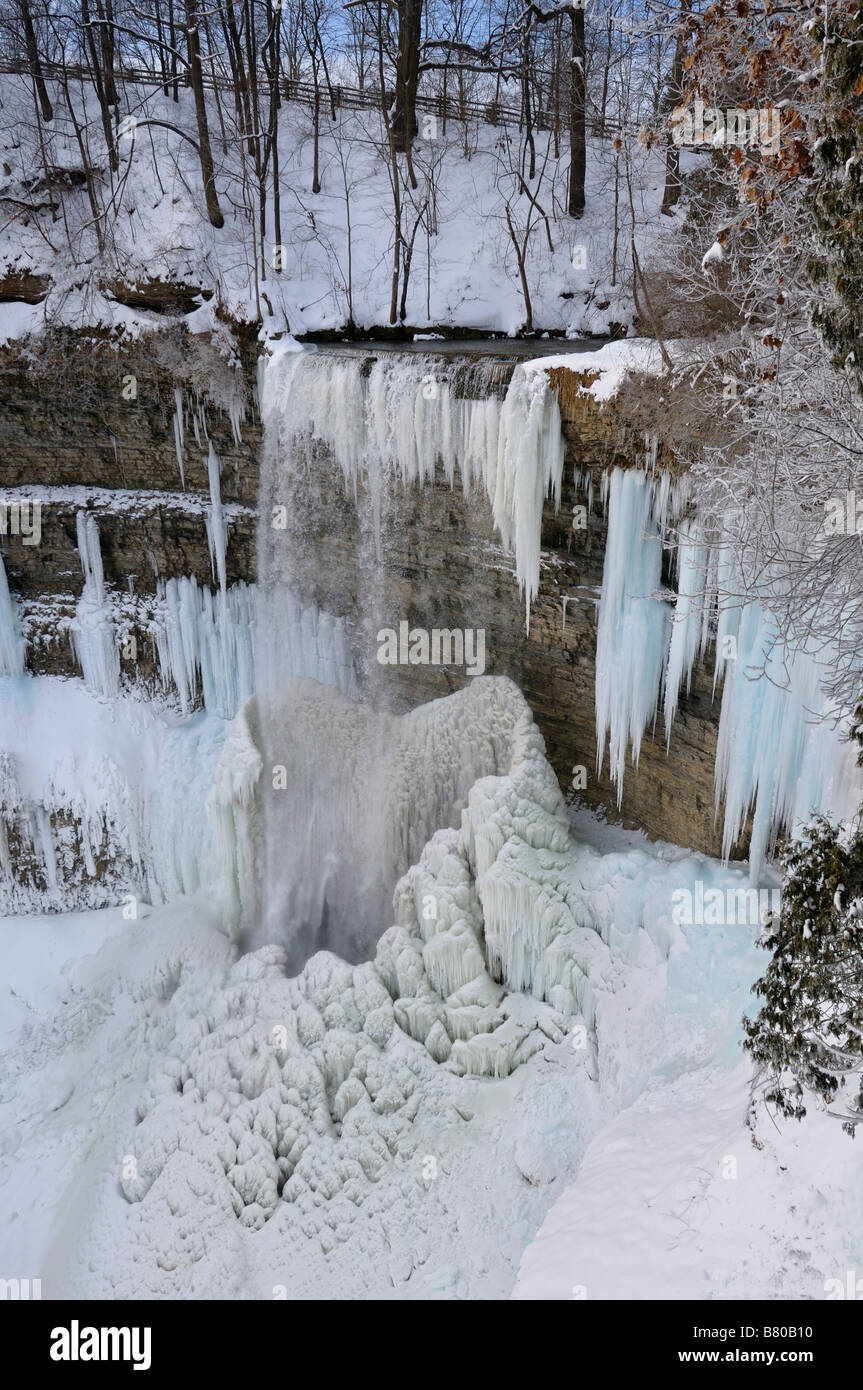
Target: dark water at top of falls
x: 520, y: 348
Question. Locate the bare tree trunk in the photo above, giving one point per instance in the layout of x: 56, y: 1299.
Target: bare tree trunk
x: 520, y: 256
x: 671, y: 192
x: 106, y: 37
x: 160, y: 38
x: 172, y: 29
x: 527, y: 112
x: 603, y: 103
x: 218, y: 100
x: 316, y: 181
x: 405, y: 126
x: 555, y: 89
x: 34, y: 63
x: 196, y: 78
x: 394, y: 174
x: 616, y: 236
x: 577, y: 145
x: 273, y: 72
x: 97, y: 59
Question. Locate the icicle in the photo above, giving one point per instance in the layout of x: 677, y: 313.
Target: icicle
x: 207, y: 645
x: 529, y: 468
x: 46, y: 844
x: 632, y: 635
x: 781, y: 751
x: 216, y: 529
x: 236, y: 415
x: 781, y: 747
x: 178, y: 432
x: 687, y: 626
x: 12, y: 646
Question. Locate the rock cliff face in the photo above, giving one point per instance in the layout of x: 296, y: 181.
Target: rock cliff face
x: 71, y: 438
x: 83, y: 426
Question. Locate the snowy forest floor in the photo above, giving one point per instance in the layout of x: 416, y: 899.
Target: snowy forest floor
x: 633, y: 1162
x: 337, y: 242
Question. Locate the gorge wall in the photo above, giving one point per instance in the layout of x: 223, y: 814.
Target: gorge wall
x: 72, y: 439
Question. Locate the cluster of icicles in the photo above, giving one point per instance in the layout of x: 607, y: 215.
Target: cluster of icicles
x: 782, y: 750
x: 401, y: 419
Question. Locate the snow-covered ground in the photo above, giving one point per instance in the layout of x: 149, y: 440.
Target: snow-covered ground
x: 179, y: 1119
x: 337, y: 242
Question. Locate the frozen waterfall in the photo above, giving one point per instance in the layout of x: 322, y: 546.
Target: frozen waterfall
x: 395, y: 421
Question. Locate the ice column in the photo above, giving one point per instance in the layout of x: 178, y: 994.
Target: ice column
x: 632, y: 636
x: 11, y: 642
x: 206, y: 642
x: 93, y: 635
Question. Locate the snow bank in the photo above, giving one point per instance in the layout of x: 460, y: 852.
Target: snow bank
x: 674, y: 1200
x: 396, y: 1128
x: 609, y: 365
x: 464, y: 273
